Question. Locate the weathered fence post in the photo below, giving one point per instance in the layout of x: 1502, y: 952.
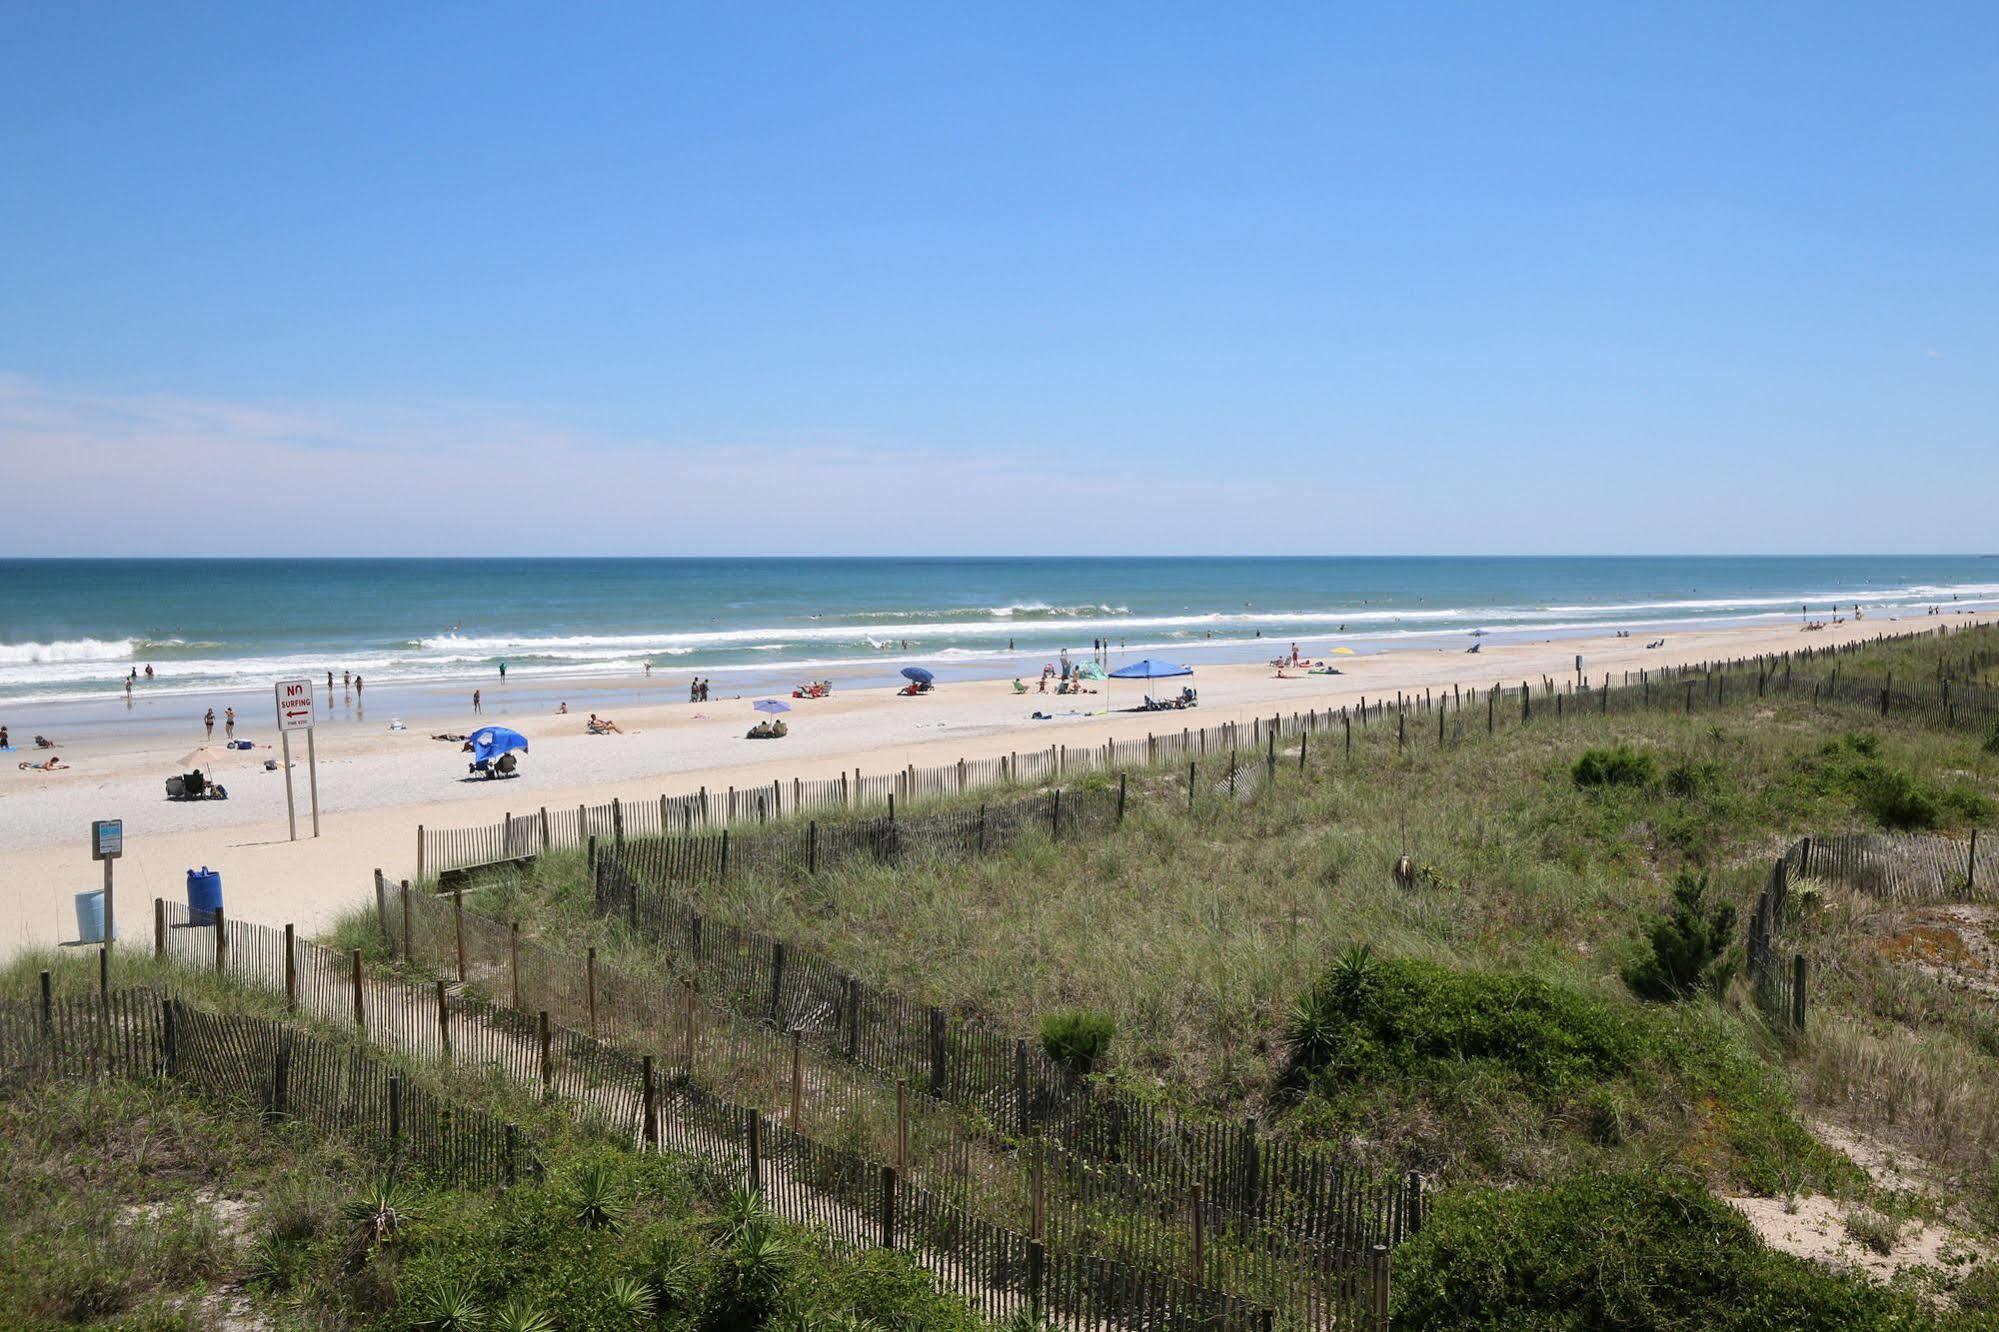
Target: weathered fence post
x: 687, y: 1031
x: 590, y: 859
x: 1377, y: 1300
x: 797, y: 1080
x: 443, y: 1022
x: 360, y: 1010
x: 291, y: 968
x: 888, y: 1207
x: 458, y: 928
x: 776, y: 977
x: 590, y: 985
x: 649, y: 1126
x: 756, y: 1151
x: 1346, y: 724
x: 1798, y: 994
x: 547, y: 1053
x: 1025, y: 1111
x: 406, y: 920
x: 160, y: 919
x: 1055, y: 814
x: 544, y: 827
x: 853, y: 988
x: 395, y: 1116
x: 1190, y: 786
x: 725, y: 855
x: 1120, y: 798
x: 982, y: 827
x: 281, y: 1070
x: 617, y: 824
x: 1971, y: 864
x: 1301, y: 746
x: 812, y: 847
x: 514, y: 961
x: 419, y: 850
x: 1412, y: 1202
x: 221, y: 942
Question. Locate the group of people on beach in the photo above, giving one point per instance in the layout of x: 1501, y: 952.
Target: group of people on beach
x: 697, y: 692
x: 347, y: 681
x: 228, y: 724
x: 52, y: 763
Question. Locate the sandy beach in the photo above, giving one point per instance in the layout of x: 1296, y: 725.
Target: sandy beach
x: 376, y: 786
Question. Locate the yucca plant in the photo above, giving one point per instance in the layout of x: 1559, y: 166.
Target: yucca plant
x: 452, y: 1307
x: 378, y: 1213
x: 598, y: 1197
x: 753, y: 1274
x: 630, y: 1298
x: 743, y: 1212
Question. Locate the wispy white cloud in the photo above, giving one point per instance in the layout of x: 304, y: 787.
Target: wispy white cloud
x: 156, y: 474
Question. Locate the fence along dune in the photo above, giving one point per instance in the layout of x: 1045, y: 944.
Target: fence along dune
x: 628, y: 1096
x: 1809, y: 672
x: 1280, y: 1220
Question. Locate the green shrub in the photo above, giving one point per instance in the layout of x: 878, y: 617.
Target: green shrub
x: 1077, y: 1038
x: 1903, y: 803
x: 1619, y: 765
x: 1635, y: 1252
x: 1369, y: 1021
x: 1851, y: 766
x: 1689, y: 946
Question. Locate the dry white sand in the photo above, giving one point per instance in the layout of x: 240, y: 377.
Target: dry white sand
x: 376, y: 788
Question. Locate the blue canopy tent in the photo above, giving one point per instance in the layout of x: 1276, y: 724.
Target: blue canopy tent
x: 917, y: 676
x: 1150, y: 669
x: 492, y: 742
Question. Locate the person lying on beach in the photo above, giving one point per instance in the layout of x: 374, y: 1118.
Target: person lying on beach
x: 43, y: 742
x: 453, y: 738
x: 50, y: 764
x: 562, y: 708
x: 602, y: 725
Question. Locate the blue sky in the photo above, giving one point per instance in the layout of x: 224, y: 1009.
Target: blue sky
x: 760, y: 279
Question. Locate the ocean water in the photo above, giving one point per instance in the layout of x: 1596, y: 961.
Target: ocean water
x: 71, y: 630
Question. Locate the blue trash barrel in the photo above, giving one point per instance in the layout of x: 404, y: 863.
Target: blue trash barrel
x: 90, y: 916
x: 204, y: 895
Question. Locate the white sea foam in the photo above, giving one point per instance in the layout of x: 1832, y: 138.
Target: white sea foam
x: 66, y: 650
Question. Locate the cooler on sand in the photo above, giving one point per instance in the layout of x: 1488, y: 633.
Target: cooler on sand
x: 204, y: 895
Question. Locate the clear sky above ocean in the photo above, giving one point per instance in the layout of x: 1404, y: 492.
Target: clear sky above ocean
x: 715, y: 280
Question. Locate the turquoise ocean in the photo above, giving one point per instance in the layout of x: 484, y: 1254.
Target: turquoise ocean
x: 71, y: 630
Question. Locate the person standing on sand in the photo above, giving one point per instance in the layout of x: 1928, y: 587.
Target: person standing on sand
x: 346, y: 681
x: 329, y: 684
x: 209, y: 722
x: 503, y: 670
x: 128, y: 691
x: 475, y: 701
x: 229, y: 723
x: 357, y: 687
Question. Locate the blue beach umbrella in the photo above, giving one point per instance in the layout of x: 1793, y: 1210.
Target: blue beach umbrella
x: 1150, y: 669
x: 918, y: 674
x: 771, y: 705
x: 489, y: 742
